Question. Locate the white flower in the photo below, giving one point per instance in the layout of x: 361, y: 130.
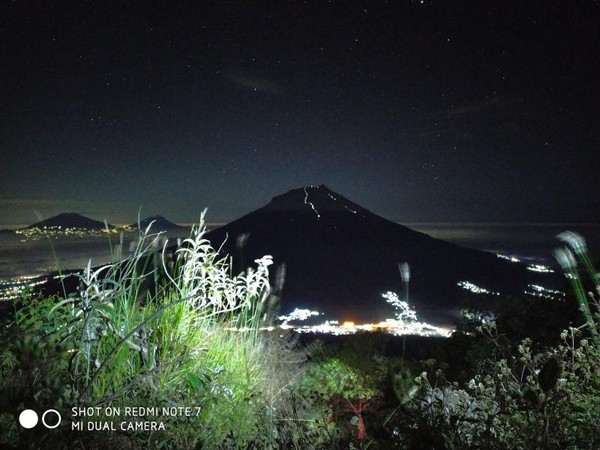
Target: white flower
x: 265, y: 261
x: 404, y: 271
x: 565, y: 258
x: 574, y: 240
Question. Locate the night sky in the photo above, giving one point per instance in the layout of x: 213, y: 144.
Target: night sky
x: 421, y: 111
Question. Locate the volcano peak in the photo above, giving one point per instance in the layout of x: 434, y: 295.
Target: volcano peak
x: 314, y: 199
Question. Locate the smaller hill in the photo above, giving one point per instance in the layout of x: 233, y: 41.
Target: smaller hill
x: 159, y: 223
x: 70, y: 220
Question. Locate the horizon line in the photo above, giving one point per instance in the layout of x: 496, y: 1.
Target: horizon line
x: 415, y: 224
x: 504, y: 224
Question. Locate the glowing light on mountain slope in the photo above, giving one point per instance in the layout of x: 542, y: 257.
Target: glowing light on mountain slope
x: 539, y: 268
x: 508, y: 258
x: 479, y: 317
x: 306, y: 202
x: 467, y: 285
x: 533, y: 267
x: 536, y: 290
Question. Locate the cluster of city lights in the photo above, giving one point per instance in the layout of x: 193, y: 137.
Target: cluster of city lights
x: 58, y: 231
x: 508, y: 258
x: 477, y: 316
x: 533, y: 267
x: 390, y: 326
x: 534, y: 290
x: 405, y: 323
x: 14, y: 288
x: 475, y: 289
x: 539, y: 268
x: 542, y: 292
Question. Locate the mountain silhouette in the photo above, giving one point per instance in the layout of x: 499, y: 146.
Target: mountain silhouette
x: 159, y: 223
x: 70, y: 220
x: 339, y: 258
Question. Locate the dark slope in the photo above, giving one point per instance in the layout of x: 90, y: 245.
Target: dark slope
x: 70, y: 220
x: 340, y: 257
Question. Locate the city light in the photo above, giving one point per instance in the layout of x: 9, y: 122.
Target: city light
x: 405, y: 322
x: 59, y: 232
x: 539, y: 268
x: 542, y: 292
x: 475, y: 289
x: 508, y: 258
x: 16, y: 287
x: 532, y: 267
x: 390, y: 326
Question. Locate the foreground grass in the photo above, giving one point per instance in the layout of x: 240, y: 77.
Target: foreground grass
x: 152, y: 331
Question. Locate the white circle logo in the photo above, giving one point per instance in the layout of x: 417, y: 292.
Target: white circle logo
x: 28, y: 418
x: 51, y: 426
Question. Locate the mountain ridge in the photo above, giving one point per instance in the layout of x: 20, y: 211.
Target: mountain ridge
x: 159, y: 223
x: 76, y: 220
x: 307, y: 197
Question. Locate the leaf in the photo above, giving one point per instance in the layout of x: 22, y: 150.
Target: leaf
x: 59, y: 304
x: 195, y: 381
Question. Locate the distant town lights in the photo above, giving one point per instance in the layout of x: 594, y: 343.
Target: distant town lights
x: 539, y: 291
x: 467, y: 285
x: 36, y: 233
x: 389, y: 326
x: 14, y: 288
x: 539, y: 268
x: 509, y: 258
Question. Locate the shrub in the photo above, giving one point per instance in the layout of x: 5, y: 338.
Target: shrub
x: 533, y: 397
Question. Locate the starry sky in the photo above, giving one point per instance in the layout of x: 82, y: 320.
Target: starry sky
x: 421, y: 111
